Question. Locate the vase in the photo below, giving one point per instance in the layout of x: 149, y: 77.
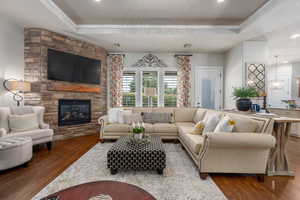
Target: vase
x: 138, y: 136
x: 243, y: 104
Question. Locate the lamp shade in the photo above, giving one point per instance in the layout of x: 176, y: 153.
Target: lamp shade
x: 21, y: 86
x: 150, y: 92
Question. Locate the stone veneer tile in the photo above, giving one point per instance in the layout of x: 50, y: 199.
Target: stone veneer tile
x: 37, y: 42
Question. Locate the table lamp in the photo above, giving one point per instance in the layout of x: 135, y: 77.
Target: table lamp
x: 150, y: 92
x: 16, y: 87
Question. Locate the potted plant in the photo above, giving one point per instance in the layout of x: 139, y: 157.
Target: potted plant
x: 242, y: 96
x: 138, y: 130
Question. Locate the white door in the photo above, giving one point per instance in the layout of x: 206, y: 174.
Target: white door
x: 208, y: 87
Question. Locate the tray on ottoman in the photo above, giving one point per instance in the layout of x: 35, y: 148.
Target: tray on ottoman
x: 125, y: 155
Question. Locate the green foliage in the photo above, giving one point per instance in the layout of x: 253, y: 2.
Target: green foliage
x: 244, y: 92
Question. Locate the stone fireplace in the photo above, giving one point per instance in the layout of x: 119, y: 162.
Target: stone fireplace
x: 59, y: 96
x: 74, y: 112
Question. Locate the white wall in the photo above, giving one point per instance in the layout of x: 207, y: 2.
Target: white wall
x: 235, y: 66
x: 233, y: 74
x: 11, y: 56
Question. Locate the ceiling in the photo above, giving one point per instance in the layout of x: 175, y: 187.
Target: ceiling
x: 165, y: 26
x: 159, y: 11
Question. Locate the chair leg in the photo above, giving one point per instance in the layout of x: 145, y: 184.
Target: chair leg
x: 203, y: 176
x: 49, y: 145
x: 260, y: 177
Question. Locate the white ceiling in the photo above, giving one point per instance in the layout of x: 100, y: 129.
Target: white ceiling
x: 231, y: 12
x: 275, y: 22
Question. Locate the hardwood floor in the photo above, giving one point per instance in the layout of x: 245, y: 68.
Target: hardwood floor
x: 23, y: 183
x: 274, y: 188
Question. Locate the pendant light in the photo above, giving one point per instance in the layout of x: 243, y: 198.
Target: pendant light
x: 276, y: 83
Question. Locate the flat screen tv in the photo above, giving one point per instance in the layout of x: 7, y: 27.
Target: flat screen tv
x: 73, y: 68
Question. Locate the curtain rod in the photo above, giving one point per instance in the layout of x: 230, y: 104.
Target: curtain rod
x: 111, y: 54
x: 183, y: 55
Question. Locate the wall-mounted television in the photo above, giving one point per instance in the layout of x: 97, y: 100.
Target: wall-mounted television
x: 68, y: 67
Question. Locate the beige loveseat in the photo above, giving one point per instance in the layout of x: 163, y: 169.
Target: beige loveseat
x: 246, y: 150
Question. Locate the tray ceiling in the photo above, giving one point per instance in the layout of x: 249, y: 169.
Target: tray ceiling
x: 230, y: 12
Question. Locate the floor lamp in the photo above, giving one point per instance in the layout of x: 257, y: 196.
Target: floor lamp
x: 16, y: 87
x: 150, y: 92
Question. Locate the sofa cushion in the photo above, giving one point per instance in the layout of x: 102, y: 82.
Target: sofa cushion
x: 225, y: 125
x: 199, y: 115
x: 34, y: 134
x: 132, y: 118
x: 165, y: 110
x: 157, y: 117
x: 194, y: 142
x: 149, y: 128
x: 21, y: 123
x: 165, y: 128
x: 244, y: 123
x: 115, y: 127
x: 141, y: 109
x: 184, y: 114
x: 185, y: 129
x: 187, y: 124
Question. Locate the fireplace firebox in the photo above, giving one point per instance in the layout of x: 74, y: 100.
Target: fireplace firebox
x: 74, y: 112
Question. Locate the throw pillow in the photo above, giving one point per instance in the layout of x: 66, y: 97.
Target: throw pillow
x: 20, y: 123
x: 225, y: 125
x: 198, y: 128
x: 21, y: 110
x: 132, y: 118
x: 113, y: 115
x: 121, y: 114
x: 211, y: 123
x: 157, y: 117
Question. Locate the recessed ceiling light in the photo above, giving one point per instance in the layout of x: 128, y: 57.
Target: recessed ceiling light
x: 285, y: 62
x: 117, y: 45
x: 97, y: 1
x: 220, y: 1
x: 187, y: 45
x: 295, y: 36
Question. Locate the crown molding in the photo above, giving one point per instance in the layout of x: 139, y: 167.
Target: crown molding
x: 258, y: 13
x: 120, y: 28
x: 52, y: 7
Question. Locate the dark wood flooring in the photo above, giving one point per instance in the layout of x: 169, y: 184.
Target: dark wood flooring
x: 23, y: 183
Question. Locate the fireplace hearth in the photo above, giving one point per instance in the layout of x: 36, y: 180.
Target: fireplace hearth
x: 74, y: 112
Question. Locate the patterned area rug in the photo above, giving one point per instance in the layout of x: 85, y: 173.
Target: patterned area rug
x: 179, y: 182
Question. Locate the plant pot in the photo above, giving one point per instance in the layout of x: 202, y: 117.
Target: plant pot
x: 138, y: 136
x: 243, y: 104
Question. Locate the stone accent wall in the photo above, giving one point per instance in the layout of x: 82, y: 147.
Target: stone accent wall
x: 37, y: 42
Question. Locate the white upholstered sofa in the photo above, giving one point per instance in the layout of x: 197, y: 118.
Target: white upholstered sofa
x: 245, y: 150
x: 43, y: 134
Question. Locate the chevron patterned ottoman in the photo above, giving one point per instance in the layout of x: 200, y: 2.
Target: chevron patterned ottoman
x: 124, y: 155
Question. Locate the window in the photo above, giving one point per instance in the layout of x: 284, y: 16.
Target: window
x: 170, y: 89
x: 150, y: 80
x: 164, y: 82
x: 129, y: 88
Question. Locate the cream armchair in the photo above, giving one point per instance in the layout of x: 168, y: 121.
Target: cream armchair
x: 42, y: 135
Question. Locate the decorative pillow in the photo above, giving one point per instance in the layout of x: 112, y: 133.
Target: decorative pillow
x: 20, y: 123
x: 121, y: 114
x: 198, y: 128
x: 21, y: 110
x: 113, y: 115
x: 157, y: 117
x: 211, y: 123
x: 199, y: 115
x: 132, y: 118
x: 225, y: 125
